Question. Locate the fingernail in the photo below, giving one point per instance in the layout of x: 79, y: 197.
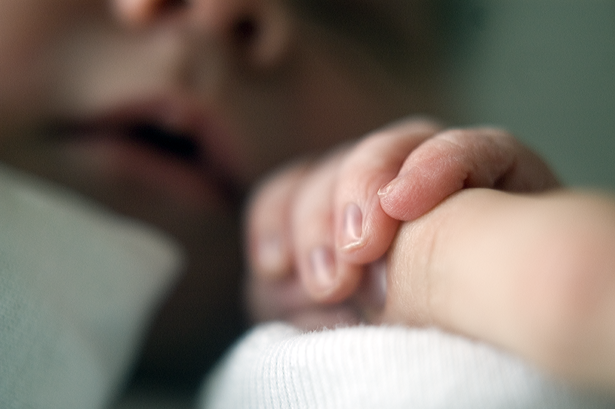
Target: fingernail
x: 270, y: 254
x: 386, y: 189
x: 323, y: 266
x: 353, y: 226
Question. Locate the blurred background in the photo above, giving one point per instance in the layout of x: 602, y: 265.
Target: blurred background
x: 545, y: 70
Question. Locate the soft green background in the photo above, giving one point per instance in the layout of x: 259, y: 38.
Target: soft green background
x: 545, y: 69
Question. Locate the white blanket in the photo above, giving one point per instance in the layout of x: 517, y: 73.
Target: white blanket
x: 277, y: 366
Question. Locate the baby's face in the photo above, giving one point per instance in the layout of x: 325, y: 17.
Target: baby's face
x: 159, y: 105
x: 168, y: 110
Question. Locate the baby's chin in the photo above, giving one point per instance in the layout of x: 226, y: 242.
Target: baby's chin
x: 190, y: 220
x: 174, y: 197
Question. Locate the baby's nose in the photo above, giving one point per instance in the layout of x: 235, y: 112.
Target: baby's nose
x: 260, y: 29
x: 141, y: 12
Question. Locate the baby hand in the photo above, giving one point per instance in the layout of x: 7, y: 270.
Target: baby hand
x: 314, y: 228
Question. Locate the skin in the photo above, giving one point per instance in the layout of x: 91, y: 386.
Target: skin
x: 349, y: 207
x: 250, y: 83
x: 533, y: 274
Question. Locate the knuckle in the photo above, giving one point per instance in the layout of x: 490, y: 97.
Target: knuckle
x: 457, y: 140
x: 465, y: 135
x: 488, y: 145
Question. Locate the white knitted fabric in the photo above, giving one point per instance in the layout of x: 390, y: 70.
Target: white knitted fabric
x: 77, y: 286
x: 277, y: 366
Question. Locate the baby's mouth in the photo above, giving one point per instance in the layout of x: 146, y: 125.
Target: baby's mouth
x: 167, y: 142
x: 158, y: 146
x: 164, y: 141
